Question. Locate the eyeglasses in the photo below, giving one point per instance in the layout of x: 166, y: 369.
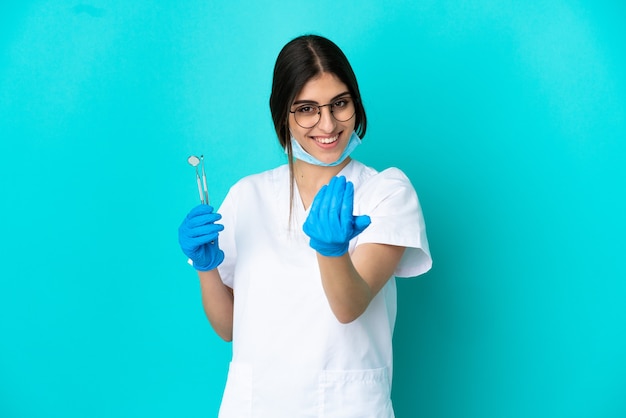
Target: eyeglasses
x: 308, y: 115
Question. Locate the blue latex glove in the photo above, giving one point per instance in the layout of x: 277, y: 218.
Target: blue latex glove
x: 197, y: 236
x: 331, y: 224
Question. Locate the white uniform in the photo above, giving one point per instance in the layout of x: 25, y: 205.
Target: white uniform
x: 291, y: 357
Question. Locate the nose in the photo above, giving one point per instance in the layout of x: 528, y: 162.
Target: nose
x: 327, y: 121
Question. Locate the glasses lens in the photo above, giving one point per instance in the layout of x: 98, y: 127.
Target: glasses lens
x: 307, y: 116
x: 343, y: 109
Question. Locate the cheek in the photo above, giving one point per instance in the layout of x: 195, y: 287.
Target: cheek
x: 296, y: 130
x: 350, y: 124
x: 291, y: 124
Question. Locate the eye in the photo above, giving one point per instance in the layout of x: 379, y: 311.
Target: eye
x: 341, y: 103
x: 307, y: 110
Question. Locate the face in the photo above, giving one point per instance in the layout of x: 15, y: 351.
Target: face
x: 329, y: 137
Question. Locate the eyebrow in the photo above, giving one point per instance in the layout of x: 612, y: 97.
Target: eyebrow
x: 345, y: 93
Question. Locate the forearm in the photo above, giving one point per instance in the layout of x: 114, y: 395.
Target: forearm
x: 347, y: 292
x: 352, y: 281
x: 217, y: 299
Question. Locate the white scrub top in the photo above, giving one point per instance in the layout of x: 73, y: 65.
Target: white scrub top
x: 291, y: 357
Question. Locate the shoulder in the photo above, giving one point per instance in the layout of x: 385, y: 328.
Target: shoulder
x: 390, y: 176
x: 263, y: 179
x: 364, y: 176
x: 376, y: 186
x: 255, y: 189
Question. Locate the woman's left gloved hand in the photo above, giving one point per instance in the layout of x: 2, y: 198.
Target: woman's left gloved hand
x: 331, y: 224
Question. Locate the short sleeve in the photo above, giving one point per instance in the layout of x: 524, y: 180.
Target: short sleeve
x: 391, y: 202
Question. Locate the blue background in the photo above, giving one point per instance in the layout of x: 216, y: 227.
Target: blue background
x: 509, y: 117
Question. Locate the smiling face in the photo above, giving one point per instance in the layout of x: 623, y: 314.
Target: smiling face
x: 328, y: 138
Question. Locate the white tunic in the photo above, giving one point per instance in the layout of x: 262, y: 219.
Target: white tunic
x: 291, y: 357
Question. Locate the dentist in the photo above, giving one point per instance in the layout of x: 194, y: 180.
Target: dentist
x: 297, y: 268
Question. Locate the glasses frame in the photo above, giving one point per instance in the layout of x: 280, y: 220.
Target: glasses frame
x: 319, y: 111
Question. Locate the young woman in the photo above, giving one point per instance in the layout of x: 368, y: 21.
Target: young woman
x: 299, y: 271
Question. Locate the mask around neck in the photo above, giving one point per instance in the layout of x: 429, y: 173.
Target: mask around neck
x: 300, y: 154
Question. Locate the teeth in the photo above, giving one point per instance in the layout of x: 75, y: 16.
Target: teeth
x: 327, y: 140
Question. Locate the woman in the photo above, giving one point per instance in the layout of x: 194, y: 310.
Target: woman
x: 302, y: 286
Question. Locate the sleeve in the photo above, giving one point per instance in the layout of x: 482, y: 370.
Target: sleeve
x: 227, y: 241
x: 393, y: 206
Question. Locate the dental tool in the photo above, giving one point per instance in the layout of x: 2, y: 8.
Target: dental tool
x: 206, y: 190
x: 203, y: 190
x: 195, y: 162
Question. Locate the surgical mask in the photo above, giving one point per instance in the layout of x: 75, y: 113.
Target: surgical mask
x: 301, y: 154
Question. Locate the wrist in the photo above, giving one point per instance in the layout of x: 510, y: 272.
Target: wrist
x: 211, y: 264
x: 329, y: 250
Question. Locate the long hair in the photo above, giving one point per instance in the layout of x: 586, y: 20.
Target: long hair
x: 300, y: 60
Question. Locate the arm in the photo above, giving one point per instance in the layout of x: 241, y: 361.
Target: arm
x: 350, y: 283
x: 217, y: 300
x: 198, y: 236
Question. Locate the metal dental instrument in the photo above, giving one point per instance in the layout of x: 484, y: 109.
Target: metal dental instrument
x: 202, y: 191
x: 206, y: 190
x: 195, y: 162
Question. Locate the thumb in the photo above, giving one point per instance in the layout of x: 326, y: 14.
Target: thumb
x: 360, y: 223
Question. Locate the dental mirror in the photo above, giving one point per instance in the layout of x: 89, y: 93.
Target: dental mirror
x: 193, y: 160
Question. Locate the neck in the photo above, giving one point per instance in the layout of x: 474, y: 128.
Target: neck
x: 310, y: 178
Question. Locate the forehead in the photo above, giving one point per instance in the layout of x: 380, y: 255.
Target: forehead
x: 322, y: 88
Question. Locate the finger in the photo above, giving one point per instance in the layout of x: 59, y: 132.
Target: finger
x: 204, y: 230
x: 195, y: 244
x: 325, y: 197
x: 210, y: 229
x: 347, y: 204
x: 200, y: 210
x: 337, y: 187
x: 336, y: 191
x: 318, y: 202
x: 203, y: 219
x: 201, y: 239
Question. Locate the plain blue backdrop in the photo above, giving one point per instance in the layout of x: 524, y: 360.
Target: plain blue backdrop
x: 509, y: 118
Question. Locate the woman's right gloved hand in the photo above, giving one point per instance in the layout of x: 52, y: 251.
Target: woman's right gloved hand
x: 197, y: 236
x: 331, y: 224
